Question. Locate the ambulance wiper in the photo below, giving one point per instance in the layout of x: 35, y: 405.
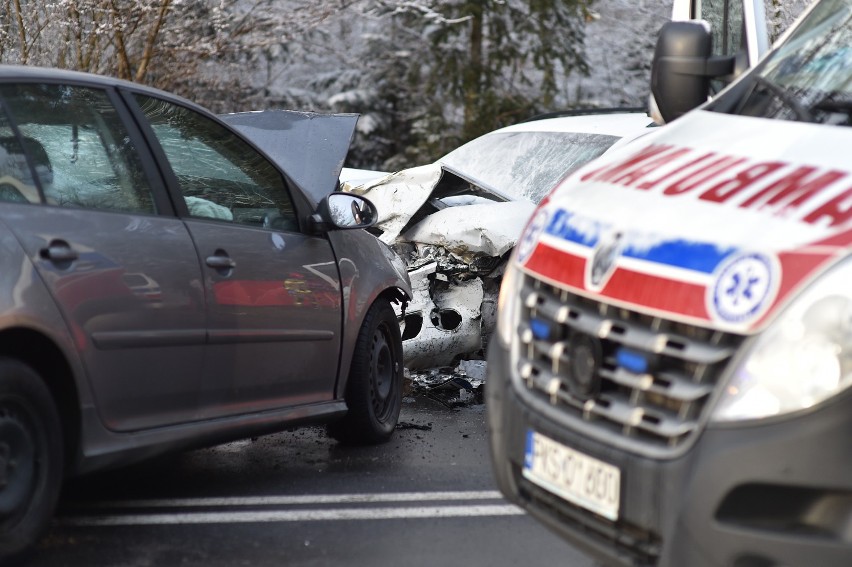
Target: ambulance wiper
x: 802, y: 113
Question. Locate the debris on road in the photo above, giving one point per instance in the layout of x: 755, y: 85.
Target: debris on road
x: 452, y: 387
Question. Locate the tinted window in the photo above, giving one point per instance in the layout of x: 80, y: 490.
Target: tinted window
x: 221, y: 177
x: 78, y: 147
x: 726, y: 20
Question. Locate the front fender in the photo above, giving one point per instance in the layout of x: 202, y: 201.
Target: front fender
x: 369, y: 269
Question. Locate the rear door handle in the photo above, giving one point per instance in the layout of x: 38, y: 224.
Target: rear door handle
x: 220, y: 261
x: 59, y: 251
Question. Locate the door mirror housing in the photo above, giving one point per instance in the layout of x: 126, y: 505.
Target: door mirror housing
x: 344, y: 211
x: 683, y: 66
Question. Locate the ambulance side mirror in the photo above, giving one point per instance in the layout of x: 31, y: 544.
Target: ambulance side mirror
x: 683, y: 66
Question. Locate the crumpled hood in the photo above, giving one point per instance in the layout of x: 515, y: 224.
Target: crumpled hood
x: 310, y: 147
x: 399, y: 196
x: 491, y: 229
x: 713, y: 220
x: 470, y: 226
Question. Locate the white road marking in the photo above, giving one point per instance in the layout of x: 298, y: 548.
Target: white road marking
x: 298, y: 500
x: 293, y: 515
x: 237, y: 513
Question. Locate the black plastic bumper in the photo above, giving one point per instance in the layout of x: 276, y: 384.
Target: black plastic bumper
x: 773, y: 494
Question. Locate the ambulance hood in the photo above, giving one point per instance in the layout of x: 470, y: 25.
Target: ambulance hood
x: 715, y: 220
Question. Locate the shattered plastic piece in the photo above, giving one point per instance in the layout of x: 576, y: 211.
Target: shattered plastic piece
x: 474, y: 370
x: 448, y: 386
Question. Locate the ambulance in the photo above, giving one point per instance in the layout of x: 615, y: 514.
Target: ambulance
x: 669, y: 382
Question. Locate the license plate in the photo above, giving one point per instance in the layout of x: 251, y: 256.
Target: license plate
x: 572, y: 475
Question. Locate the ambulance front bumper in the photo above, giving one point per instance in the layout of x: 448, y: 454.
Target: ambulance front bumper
x: 767, y: 494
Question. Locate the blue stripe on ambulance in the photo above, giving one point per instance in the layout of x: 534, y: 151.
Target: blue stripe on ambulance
x: 696, y: 256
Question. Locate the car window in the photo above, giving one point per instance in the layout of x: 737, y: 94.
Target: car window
x: 78, y: 147
x: 526, y: 165
x: 726, y: 22
x: 221, y: 176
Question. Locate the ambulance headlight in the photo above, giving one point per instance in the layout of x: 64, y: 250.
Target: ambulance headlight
x: 509, y: 302
x: 802, y: 359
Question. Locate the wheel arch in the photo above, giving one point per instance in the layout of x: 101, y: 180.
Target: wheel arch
x: 369, y: 271
x: 45, y: 357
x: 374, y: 385
x: 394, y: 296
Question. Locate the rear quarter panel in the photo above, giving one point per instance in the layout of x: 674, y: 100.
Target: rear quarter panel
x: 26, y: 303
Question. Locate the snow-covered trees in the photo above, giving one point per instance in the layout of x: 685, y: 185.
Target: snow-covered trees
x: 431, y: 74
x: 488, y: 62
x: 178, y: 45
x: 425, y: 75
x: 159, y: 42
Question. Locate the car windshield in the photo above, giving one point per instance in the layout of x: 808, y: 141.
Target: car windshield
x: 809, y: 77
x: 526, y: 165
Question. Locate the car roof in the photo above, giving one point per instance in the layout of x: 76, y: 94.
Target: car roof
x: 52, y: 74
x: 306, y: 173
x: 29, y: 73
x: 620, y: 124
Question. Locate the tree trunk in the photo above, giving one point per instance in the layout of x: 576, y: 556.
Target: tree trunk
x: 123, y: 71
x: 151, y: 40
x: 22, y: 33
x: 471, y: 83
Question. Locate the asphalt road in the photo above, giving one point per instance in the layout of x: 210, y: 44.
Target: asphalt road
x: 298, y: 498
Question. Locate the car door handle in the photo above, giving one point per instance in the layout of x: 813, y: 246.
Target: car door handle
x: 59, y: 251
x: 220, y: 261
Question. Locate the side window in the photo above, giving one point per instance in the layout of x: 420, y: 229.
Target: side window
x: 77, y: 147
x: 726, y: 19
x: 221, y: 177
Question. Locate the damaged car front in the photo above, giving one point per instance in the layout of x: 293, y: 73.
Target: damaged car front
x: 454, y: 223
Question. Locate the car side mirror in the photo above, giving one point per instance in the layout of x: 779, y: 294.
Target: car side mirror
x: 344, y: 211
x: 682, y: 67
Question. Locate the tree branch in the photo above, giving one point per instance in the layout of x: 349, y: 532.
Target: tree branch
x: 120, y: 47
x: 148, y: 52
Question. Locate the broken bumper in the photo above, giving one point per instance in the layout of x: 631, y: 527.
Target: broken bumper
x: 442, y: 322
x: 771, y: 494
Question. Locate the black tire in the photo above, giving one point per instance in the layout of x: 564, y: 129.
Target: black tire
x: 31, y: 459
x: 374, y: 390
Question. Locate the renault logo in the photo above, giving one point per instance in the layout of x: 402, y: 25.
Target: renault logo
x: 584, y: 360
x: 602, y: 263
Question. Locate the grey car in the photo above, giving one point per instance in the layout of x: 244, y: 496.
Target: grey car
x: 165, y: 284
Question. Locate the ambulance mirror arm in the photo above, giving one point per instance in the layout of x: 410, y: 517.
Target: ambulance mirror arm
x: 683, y: 66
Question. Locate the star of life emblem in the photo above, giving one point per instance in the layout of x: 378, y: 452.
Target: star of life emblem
x: 743, y: 288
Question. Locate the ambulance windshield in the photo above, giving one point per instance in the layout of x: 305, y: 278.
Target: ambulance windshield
x: 809, y: 76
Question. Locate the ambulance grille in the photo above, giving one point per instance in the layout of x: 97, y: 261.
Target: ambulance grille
x: 618, y: 372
